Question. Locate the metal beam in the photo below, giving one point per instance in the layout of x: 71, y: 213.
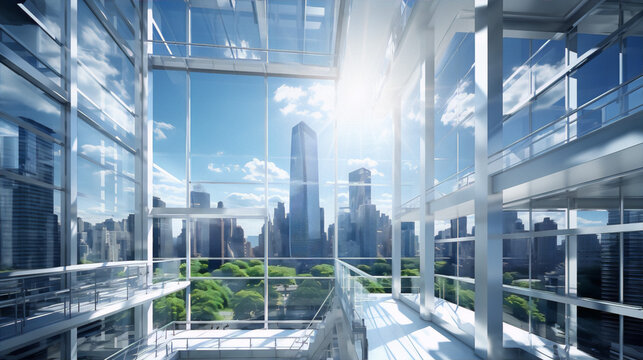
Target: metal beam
x: 488, y: 205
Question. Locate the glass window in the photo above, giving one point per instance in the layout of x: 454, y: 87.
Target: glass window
x: 633, y: 268
x: 169, y: 115
x: 632, y: 337
x: 31, y: 226
x: 24, y: 153
x: 228, y: 129
x: 30, y: 35
x: 445, y: 258
x: 515, y: 262
x: 102, y: 150
x: 598, y: 266
x: 515, y: 311
x: 598, y: 333
x: 516, y: 127
x: 291, y: 299
x: 48, y: 349
x: 221, y: 300
x: 446, y: 157
x: 515, y: 53
x: 548, y: 320
x: 105, y: 214
x: 168, y: 239
x: 99, y: 339
x: 225, y: 238
x: 597, y: 76
x: 103, y: 58
x: 633, y: 54
x: 412, y: 128
x: 169, y: 308
x: 549, y: 106
x: 21, y: 99
x: 548, y: 62
x: 466, y: 259
x: 548, y: 263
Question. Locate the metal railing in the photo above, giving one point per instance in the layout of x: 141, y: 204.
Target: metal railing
x: 31, y: 299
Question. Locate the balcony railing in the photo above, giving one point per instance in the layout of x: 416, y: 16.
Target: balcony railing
x: 32, y: 299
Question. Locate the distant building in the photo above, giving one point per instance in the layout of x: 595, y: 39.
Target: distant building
x: 305, y: 233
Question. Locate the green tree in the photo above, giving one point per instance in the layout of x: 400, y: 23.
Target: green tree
x: 169, y: 308
x: 247, y: 304
x: 255, y: 271
x: 208, y: 298
x: 364, y: 268
x: 229, y: 270
x: 381, y: 268
x: 520, y: 308
x: 309, y: 293
x: 241, y: 264
x: 323, y: 270
x: 281, y: 271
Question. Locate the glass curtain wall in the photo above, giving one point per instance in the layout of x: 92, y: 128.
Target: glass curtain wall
x: 70, y: 140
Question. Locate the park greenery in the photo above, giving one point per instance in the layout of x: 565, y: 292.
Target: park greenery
x: 242, y: 296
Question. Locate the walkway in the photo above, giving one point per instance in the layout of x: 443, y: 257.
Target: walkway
x: 395, y: 331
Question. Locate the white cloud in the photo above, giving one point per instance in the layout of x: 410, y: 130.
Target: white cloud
x: 159, y: 126
x: 255, y: 171
x: 322, y: 96
x: 290, y: 108
x: 212, y: 168
x: 97, y: 149
x: 518, y: 89
x: 167, y: 187
x: 288, y: 93
x: 459, y: 107
x: 245, y: 54
x: 365, y: 162
x: 368, y: 163
x: 238, y: 199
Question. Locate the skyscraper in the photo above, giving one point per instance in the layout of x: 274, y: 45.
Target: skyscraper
x: 201, y: 236
x: 359, y: 190
x: 305, y: 234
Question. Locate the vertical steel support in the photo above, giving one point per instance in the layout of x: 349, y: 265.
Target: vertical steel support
x: 488, y: 205
x: 144, y: 230
x: 70, y: 236
x: 266, y: 238
x: 397, y: 202
x: 427, y: 246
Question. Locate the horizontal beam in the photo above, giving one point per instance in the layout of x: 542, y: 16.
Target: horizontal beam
x: 242, y: 67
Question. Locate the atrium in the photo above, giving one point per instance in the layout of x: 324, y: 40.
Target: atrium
x: 321, y: 179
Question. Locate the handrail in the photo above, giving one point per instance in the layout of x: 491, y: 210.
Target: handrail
x: 314, y: 317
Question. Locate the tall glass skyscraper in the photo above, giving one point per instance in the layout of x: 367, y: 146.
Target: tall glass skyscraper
x: 305, y: 232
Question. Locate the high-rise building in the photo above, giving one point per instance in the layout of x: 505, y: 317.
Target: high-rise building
x: 304, y: 230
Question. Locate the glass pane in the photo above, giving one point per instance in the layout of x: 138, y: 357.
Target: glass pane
x: 101, y: 338
x: 466, y: 259
x: 515, y: 311
x: 549, y: 106
x: 549, y: 62
x: 632, y: 346
x: 515, y: 262
x: 169, y: 308
x: 103, y: 58
x: 21, y: 99
x: 26, y: 154
x: 105, y: 214
x: 232, y: 196
x: 168, y: 239
x: 597, y: 76
x: 598, y: 266
x: 225, y: 238
x: 48, y: 349
x: 412, y: 128
x: 548, y: 264
x: 516, y: 127
x: 228, y: 129
x: 24, y: 29
x: 298, y: 299
x: 301, y: 267
x: 213, y: 300
x: 598, y: 333
x: 31, y: 231
x: 445, y: 258
x: 446, y: 157
x: 104, y: 151
x: 548, y: 320
x: 466, y: 295
x: 169, y: 112
x: 633, y: 268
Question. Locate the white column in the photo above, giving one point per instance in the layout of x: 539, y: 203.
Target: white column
x: 396, y: 251
x: 488, y: 206
x: 427, y: 245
